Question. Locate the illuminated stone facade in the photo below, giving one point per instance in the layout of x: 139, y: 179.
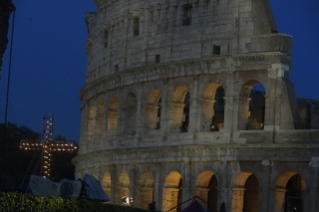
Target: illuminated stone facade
x: 168, y: 110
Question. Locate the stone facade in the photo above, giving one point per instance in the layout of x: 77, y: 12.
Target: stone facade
x: 6, y: 7
x: 168, y: 110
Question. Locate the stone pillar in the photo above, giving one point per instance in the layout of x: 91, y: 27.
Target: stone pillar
x: 187, y: 183
x: 139, y: 119
x: 279, y: 203
x: 133, y: 181
x: 194, y: 110
x: 82, y: 130
x: 120, y: 122
x: 158, y: 185
x: 313, y: 187
x: 223, y: 190
x: 113, y: 184
x: 264, y: 194
x: 104, y: 137
x: 237, y: 199
x: 165, y: 107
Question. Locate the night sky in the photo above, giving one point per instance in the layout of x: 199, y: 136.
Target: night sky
x: 49, y: 60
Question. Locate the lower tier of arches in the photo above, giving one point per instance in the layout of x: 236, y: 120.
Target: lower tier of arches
x: 239, y: 186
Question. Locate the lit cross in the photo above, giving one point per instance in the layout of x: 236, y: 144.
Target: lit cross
x: 47, y: 145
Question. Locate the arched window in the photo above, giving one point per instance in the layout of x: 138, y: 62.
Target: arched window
x: 106, y: 184
x: 90, y: 124
x: 123, y: 188
x: 251, y: 106
x: 206, y: 189
x: 245, y: 193
x: 153, y: 110
x: 180, y: 108
x: 173, y: 193
x: 112, y: 119
x: 130, y: 110
x: 213, y: 106
x: 290, y: 193
x: 145, y: 190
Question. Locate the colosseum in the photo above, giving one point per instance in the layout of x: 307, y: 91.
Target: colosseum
x: 170, y: 109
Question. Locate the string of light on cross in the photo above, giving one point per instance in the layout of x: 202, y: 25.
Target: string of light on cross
x: 47, y: 144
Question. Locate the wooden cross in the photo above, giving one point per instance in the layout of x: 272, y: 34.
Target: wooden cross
x: 48, y: 145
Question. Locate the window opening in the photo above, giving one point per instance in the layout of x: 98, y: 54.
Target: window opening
x: 158, y: 125
x: 219, y: 107
x: 185, y: 123
x: 116, y: 68
x: 106, y: 35
x: 187, y: 15
x: 157, y: 58
x: 136, y: 26
x: 216, y: 50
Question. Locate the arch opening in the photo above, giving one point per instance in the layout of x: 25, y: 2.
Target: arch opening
x: 290, y: 193
x: 251, y: 104
x: 123, y: 188
x: 90, y: 125
x: 180, y: 108
x: 106, y: 184
x: 245, y: 193
x: 130, y: 110
x: 153, y: 110
x: 173, y: 193
x: 206, y: 189
x: 145, y: 190
x: 112, y: 120
x: 213, y: 107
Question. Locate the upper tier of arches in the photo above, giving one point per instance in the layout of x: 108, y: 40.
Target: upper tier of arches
x: 125, y: 35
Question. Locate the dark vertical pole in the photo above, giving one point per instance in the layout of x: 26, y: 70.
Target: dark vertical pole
x: 2, y: 170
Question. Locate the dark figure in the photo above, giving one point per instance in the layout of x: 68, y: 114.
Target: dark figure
x: 151, y: 206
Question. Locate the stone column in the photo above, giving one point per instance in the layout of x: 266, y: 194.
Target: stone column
x: 82, y: 130
x: 133, y: 181
x: 158, y: 185
x: 165, y: 113
x: 104, y: 137
x: 264, y: 194
x: 223, y: 190
x: 313, y: 187
x: 114, y: 179
x: 92, y: 145
x: 120, y: 122
x: 139, y: 116
x: 187, y: 183
x: 273, y: 100
x: 194, y: 110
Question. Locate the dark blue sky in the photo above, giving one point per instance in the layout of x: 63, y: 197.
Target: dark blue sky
x: 49, y: 60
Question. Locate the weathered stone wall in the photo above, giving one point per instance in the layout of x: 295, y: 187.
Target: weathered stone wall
x: 6, y: 7
x: 166, y: 110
